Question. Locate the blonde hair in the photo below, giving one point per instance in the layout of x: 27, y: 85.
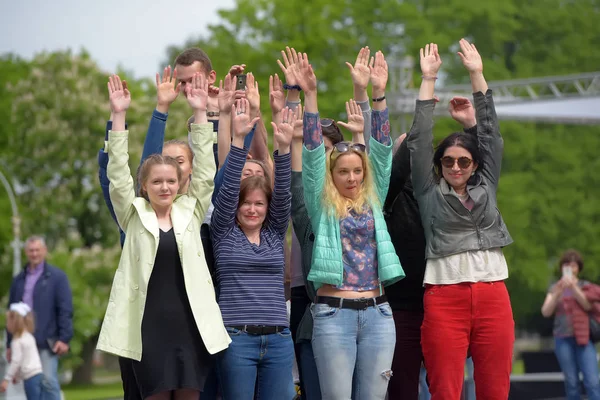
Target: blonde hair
x: 334, y: 202
x: 19, y: 324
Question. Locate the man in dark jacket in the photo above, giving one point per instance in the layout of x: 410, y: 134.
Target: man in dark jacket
x: 45, y: 288
x: 406, y: 231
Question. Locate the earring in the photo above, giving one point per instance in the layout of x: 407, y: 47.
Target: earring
x: 472, y: 173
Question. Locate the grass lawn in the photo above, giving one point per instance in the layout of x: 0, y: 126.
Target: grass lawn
x: 94, y: 392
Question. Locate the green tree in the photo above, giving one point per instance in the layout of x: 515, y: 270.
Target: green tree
x: 548, y: 185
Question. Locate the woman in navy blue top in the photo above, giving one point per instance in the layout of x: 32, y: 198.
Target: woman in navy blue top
x: 249, y: 226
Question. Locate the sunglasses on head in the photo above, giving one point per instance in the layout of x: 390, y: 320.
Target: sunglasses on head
x: 463, y: 162
x: 342, y: 147
x: 327, y: 122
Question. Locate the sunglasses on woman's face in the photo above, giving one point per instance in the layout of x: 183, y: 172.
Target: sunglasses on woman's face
x: 463, y: 162
x: 342, y: 147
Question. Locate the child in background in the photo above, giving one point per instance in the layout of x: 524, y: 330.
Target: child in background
x: 25, y: 362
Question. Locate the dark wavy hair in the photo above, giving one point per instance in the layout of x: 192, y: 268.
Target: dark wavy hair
x: 461, y: 139
x: 571, y: 255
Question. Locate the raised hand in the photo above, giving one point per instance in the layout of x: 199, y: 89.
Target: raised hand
x: 166, y: 91
x: 119, y: 95
x: 360, y: 72
x: 197, y: 92
x: 305, y: 76
x: 356, y: 121
x: 284, y: 132
x: 470, y: 57
x: 379, y: 72
x: 276, y: 94
x: 430, y: 61
x: 462, y: 111
x: 236, y: 70
x: 226, y: 96
x: 252, y: 93
x: 242, y: 124
x: 290, y: 59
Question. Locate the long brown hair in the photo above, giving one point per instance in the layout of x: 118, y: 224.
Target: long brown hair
x: 144, y: 171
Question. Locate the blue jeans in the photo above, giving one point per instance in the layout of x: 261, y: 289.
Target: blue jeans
x: 308, y: 367
x: 469, y: 386
x: 265, y: 360
x: 423, y: 386
x: 34, y: 389
x: 353, y: 350
x: 50, y: 370
x: 573, y: 359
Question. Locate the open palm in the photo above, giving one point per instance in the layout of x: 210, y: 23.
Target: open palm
x: 360, y: 72
x: 166, y: 91
x: 119, y: 96
x: 379, y: 72
x: 430, y: 60
x: 197, y: 92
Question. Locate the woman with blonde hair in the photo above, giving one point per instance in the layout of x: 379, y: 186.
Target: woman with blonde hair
x: 353, y: 257
x: 25, y: 363
x: 162, y: 311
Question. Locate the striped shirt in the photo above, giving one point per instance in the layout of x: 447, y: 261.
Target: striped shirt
x: 250, y: 277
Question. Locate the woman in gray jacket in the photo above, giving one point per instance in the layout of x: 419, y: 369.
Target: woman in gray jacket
x: 466, y: 303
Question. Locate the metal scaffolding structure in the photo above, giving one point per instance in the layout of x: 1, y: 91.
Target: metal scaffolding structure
x: 573, y: 99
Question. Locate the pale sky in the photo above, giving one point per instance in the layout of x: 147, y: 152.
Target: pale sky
x: 130, y: 33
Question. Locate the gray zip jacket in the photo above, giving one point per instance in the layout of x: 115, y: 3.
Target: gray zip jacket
x: 450, y: 228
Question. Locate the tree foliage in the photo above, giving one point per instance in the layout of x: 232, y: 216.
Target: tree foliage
x: 548, y: 186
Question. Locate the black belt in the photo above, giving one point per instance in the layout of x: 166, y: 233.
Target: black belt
x: 355, y: 304
x: 259, y: 329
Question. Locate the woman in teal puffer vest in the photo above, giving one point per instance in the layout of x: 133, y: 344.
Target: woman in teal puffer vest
x: 353, y: 257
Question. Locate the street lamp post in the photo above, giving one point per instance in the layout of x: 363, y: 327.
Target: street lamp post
x: 16, y: 244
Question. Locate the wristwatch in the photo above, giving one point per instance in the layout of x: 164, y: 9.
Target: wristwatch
x: 212, y: 114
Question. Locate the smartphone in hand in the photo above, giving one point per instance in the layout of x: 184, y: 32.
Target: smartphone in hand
x: 567, y: 271
x: 240, y: 82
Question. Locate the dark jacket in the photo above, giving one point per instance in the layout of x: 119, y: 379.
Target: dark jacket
x: 401, y: 213
x: 52, y: 305
x: 450, y: 228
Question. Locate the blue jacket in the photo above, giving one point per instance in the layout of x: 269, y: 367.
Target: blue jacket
x: 52, y: 305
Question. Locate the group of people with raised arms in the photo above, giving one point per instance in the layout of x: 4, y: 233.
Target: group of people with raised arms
x: 398, y: 245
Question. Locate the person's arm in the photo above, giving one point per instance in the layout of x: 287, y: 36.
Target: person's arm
x: 122, y: 189
x: 552, y: 299
x: 490, y: 141
x: 102, y: 176
x: 155, y: 137
x: 226, y: 201
x: 64, y: 310
x: 12, y: 298
x: 580, y: 296
x: 355, y: 122
x: 365, y: 107
x: 313, y: 151
x: 15, y: 362
x: 420, y: 142
x: 202, y: 183
x: 280, y: 206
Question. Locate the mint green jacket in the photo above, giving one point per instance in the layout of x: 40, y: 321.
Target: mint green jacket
x: 327, y: 266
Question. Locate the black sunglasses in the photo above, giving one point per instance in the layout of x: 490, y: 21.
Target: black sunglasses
x: 463, y: 162
x: 342, y: 147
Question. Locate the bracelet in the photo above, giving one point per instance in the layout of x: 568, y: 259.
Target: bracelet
x: 382, y: 98
x: 212, y: 114
x: 429, y: 78
x: 291, y: 87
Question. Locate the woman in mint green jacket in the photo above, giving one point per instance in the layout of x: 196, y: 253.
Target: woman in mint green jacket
x: 353, y: 257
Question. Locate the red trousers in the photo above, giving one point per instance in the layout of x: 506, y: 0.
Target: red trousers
x: 462, y: 317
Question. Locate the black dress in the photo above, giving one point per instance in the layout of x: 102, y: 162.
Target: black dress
x: 173, y: 354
